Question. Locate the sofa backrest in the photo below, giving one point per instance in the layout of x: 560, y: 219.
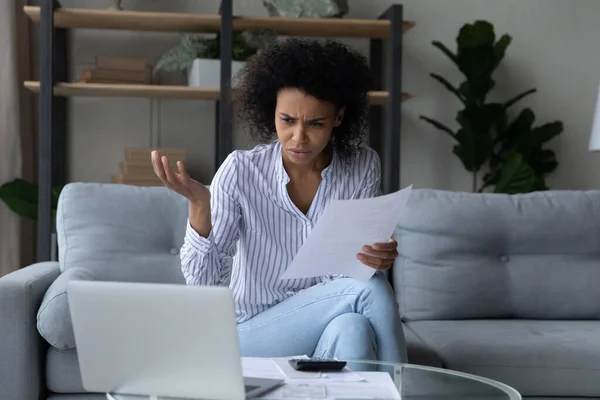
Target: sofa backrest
x: 122, y: 232
x: 467, y: 255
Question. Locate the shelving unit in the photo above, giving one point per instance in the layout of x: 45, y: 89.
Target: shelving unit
x: 385, y: 35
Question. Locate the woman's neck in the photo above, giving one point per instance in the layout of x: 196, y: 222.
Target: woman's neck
x: 317, y: 166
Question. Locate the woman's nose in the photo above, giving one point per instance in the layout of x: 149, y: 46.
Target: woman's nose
x: 300, y: 134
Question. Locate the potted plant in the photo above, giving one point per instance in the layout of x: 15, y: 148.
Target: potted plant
x: 198, y: 56
x: 505, y: 146
x: 21, y: 197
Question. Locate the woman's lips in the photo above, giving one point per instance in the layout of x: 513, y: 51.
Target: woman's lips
x: 299, y: 153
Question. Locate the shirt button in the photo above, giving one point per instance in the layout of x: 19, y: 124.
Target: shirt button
x: 174, y: 251
x: 504, y: 258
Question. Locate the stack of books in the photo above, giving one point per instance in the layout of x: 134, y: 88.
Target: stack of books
x: 109, y: 69
x: 136, y: 169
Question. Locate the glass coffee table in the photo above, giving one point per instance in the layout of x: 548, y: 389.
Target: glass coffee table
x: 398, y: 381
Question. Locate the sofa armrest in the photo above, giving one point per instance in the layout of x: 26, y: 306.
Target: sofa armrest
x: 21, y: 347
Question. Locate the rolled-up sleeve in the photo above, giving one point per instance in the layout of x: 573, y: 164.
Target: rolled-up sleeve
x: 208, y: 261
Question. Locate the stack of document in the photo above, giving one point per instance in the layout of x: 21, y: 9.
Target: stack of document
x: 345, y: 384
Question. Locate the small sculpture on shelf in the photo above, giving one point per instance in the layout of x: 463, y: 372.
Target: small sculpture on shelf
x: 307, y: 8
x: 115, y: 5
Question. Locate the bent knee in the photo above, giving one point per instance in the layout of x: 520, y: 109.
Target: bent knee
x: 350, y: 323
x: 377, y: 284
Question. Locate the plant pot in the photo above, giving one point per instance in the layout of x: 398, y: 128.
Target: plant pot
x: 207, y: 72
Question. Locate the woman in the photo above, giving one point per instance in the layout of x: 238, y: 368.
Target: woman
x: 262, y: 204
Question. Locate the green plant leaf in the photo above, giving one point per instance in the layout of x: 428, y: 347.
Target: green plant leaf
x: 475, y: 138
x: 543, y: 161
x: 176, y: 59
x: 480, y: 33
x: 477, y: 59
x: 477, y: 63
x: 55, y: 196
x: 516, y: 176
x: 446, y: 51
x: 500, y: 48
x: 546, y: 132
x: 516, y: 133
x: 518, y: 98
x: 449, y: 86
x: 476, y: 91
x: 21, y: 197
x: 439, y: 126
x: 192, y: 46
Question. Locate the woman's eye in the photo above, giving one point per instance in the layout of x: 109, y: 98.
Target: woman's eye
x: 287, y: 120
x: 316, y: 124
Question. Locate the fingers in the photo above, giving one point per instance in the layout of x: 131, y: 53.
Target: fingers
x: 391, y: 245
x: 168, y: 172
x: 164, y: 172
x: 158, y: 166
x: 182, y: 172
x: 386, y: 255
x: 380, y: 256
x: 381, y: 264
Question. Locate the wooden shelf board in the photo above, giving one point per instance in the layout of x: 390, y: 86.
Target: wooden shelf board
x: 188, y: 22
x: 128, y: 90
x: 157, y: 91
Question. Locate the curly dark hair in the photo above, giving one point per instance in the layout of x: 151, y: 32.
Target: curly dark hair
x: 329, y: 71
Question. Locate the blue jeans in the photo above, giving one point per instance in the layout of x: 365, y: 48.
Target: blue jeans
x: 345, y: 318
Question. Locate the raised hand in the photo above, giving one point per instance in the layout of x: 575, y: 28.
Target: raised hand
x: 181, y: 183
x: 380, y: 256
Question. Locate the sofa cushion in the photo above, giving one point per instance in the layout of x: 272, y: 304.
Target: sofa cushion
x: 470, y: 255
x: 62, y: 371
x: 418, y: 351
x: 537, y: 358
x: 123, y: 232
x: 53, y: 317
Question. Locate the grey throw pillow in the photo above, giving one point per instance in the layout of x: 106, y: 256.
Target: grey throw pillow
x: 53, y: 317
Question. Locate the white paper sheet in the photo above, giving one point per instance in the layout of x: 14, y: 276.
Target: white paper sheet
x: 255, y: 367
x: 376, y: 385
x: 341, y: 232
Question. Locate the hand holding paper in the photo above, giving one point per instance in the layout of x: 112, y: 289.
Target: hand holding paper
x: 341, y: 233
x: 380, y: 256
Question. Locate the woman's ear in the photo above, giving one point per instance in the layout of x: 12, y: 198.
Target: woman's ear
x: 339, y: 117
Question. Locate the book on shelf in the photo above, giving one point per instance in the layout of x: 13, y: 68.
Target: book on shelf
x: 112, y: 69
x: 121, y: 63
x: 136, y: 168
x: 136, y: 180
x: 140, y: 169
x: 115, y: 76
x: 141, y: 155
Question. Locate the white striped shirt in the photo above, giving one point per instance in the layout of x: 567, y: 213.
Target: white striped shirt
x: 257, y: 230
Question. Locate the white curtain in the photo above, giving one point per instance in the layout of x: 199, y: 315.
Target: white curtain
x: 10, y: 132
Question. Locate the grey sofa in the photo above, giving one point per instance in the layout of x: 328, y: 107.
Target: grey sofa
x: 506, y: 287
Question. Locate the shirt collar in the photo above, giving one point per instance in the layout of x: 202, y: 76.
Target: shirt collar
x: 282, y: 175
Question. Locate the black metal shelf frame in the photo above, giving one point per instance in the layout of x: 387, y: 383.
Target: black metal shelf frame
x: 384, y: 128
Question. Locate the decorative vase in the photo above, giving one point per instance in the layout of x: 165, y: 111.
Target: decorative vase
x: 207, y: 72
x: 115, y: 5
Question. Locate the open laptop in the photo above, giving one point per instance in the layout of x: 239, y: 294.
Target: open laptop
x: 159, y: 340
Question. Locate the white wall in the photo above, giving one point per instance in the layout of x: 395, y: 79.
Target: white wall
x: 556, y: 48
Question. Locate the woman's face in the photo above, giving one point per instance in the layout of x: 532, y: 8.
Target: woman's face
x: 304, y: 125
